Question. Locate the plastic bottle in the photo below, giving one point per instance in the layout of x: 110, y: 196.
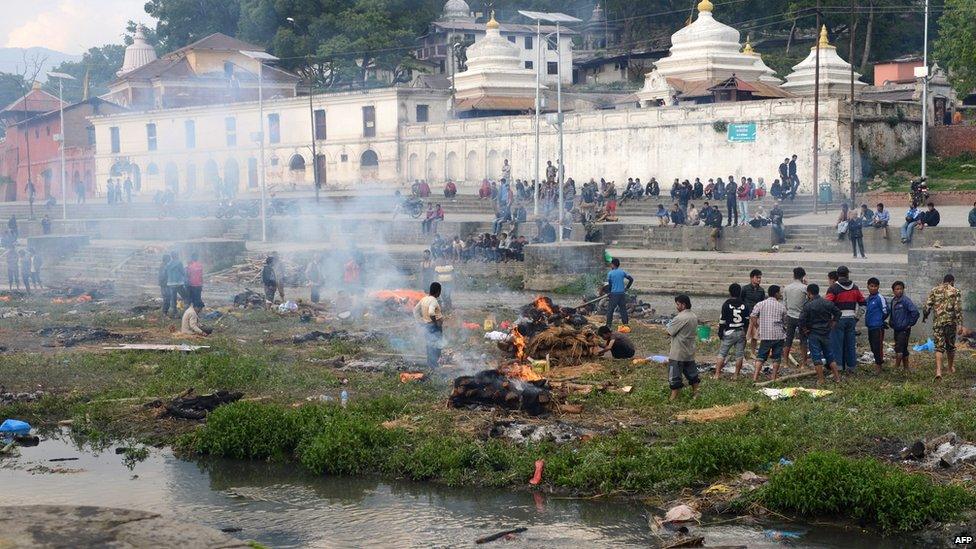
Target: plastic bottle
x: 344, y: 398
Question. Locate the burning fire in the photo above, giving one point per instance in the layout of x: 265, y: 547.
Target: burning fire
x: 518, y: 370
x: 519, y: 341
x: 541, y: 304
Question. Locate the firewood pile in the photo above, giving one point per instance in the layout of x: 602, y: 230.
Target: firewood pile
x: 249, y: 273
x: 564, y: 344
x: 493, y: 388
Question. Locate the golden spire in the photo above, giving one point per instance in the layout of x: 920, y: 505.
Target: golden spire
x: 748, y: 47
x: 824, y: 43
x: 705, y: 5
x: 492, y: 24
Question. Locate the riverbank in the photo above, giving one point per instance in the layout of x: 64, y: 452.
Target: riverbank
x: 634, y: 446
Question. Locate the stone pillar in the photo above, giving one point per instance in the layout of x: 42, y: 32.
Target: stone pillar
x: 549, y: 266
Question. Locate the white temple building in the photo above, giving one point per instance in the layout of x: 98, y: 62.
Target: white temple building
x: 138, y: 53
x: 704, y: 54
x: 835, y: 73
x: 495, y: 81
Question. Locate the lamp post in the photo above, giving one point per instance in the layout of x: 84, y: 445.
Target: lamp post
x: 924, y: 71
x: 261, y: 57
x: 311, y: 114
x: 551, y: 17
x: 64, y: 184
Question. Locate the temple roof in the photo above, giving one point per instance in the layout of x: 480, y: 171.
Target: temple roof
x: 36, y: 101
x: 835, y: 73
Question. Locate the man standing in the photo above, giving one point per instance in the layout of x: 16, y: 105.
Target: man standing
x: 817, y: 321
x: 681, y: 358
x: 794, y: 180
x: 944, y: 301
x: 25, y: 272
x: 731, y: 332
x: 619, y: 282
x: 550, y: 172
x: 876, y: 312
x: 79, y: 192
x: 795, y: 297
x: 194, y: 280
x: 46, y: 224
x: 904, y: 315
x: 506, y: 171
x: 313, y: 273
x: 161, y: 278
x: 769, y: 317
x: 175, y: 282
x: 752, y: 294
x: 847, y: 296
x: 127, y: 189
x: 31, y: 196
x: 35, y: 267
x: 784, y: 176
x: 428, y: 313
x: 731, y: 202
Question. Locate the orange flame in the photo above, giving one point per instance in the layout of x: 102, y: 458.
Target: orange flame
x: 519, y: 341
x: 517, y: 370
x: 541, y: 304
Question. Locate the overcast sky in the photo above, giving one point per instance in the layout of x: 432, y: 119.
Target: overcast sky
x: 69, y: 26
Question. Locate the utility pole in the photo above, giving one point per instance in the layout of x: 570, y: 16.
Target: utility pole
x: 64, y: 176
x: 538, y: 106
x: 853, y: 144
x: 816, y: 115
x: 925, y: 90
x: 311, y: 114
x: 260, y: 57
x: 559, y: 120
x: 27, y: 146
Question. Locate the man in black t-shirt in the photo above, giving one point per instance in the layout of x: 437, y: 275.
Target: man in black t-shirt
x: 731, y: 332
x: 617, y: 344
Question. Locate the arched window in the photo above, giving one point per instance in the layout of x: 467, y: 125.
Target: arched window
x: 297, y: 163
x: 369, y: 159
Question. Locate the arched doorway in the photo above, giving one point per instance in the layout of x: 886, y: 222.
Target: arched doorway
x: 191, y: 178
x: 472, y: 171
x: 369, y: 165
x: 413, y: 166
x: 171, y: 177
x: 494, y: 165
x: 296, y: 169
x: 232, y: 176
x: 431, y: 171
x: 211, y: 178
x: 452, y: 167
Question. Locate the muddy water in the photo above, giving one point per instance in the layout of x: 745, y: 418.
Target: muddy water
x: 282, y: 507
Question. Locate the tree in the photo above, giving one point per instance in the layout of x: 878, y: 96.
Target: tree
x: 96, y: 70
x: 956, y: 45
x: 184, y: 21
x: 12, y: 88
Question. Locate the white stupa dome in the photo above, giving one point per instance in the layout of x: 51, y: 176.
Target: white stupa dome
x: 493, y: 51
x: 835, y: 73
x: 457, y: 10
x: 138, y: 53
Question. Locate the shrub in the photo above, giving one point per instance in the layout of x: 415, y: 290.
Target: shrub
x: 248, y: 430
x: 827, y: 484
x: 347, y: 444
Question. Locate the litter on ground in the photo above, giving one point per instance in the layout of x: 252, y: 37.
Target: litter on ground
x: 790, y: 392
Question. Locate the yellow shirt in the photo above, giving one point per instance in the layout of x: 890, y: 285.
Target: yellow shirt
x: 427, y: 310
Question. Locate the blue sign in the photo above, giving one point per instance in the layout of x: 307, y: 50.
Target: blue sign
x: 742, y: 133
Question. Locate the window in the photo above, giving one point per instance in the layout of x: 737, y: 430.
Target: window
x: 228, y: 69
x: 191, y: 134
x: 369, y: 121
x: 91, y: 135
x: 511, y: 39
x: 343, y: 157
x: 551, y: 44
x: 528, y: 42
x: 320, y: 124
x: 151, y: 136
x: 423, y: 113
x: 552, y: 67
x: 529, y: 65
x: 114, y: 136
x: 230, y: 128
x: 274, y: 128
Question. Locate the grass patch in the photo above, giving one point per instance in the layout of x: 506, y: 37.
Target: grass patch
x: 587, y: 284
x: 828, y: 484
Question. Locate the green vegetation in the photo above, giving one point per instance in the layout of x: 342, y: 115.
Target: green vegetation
x: 956, y: 47
x: 945, y: 174
x: 827, y: 484
x: 587, y: 284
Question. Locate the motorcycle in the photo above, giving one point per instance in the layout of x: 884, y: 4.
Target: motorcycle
x: 920, y: 191
x: 227, y: 209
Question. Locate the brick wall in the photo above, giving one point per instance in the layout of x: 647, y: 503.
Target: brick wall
x: 953, y: 140
x: 897, y: 201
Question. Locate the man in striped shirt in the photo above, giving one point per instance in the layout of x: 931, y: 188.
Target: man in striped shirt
x: 768, y: 318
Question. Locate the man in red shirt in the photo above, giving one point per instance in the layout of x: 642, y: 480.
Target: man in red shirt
x: 194, y: 280
x: 847, y: 297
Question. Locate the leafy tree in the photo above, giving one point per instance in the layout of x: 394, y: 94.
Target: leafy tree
x: 956, y: 45
x: 12, y: 88
x: 96, y: 69
x: 184, y: 21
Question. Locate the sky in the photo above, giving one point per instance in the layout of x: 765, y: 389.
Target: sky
x: 69, y: 26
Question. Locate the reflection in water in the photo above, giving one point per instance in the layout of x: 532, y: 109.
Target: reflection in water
x: 282, y: 507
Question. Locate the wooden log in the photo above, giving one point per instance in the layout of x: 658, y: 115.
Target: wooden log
x: 499, y: 535
x: 797, y: 375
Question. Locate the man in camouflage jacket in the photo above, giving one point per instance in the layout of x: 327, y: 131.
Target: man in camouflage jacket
x: 946, y: 303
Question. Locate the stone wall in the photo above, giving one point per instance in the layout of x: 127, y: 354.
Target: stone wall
x: 899, y: 200
x: 950, y: 141
x: 930, y: 265
x: 549, y: 266
x: 52, y: 247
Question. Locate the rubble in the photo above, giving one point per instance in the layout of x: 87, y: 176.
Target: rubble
x: 522, y: 433
x: 15, y: 312
x: 492, y: 388
x: 7, y: 398
x: 248, y: 298
x: 191, y: 406
x: 943, y: 451
x: 69, y: 336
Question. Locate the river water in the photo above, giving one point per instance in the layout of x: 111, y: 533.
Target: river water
x: 281, y: 506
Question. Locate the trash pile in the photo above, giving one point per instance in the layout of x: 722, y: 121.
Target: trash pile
x: 189, y: 405
x: 69, y: 336
x: 15, y: 312
x: 943, y: 451
x: 317, y: 335
x: 72, y: 291
x: 636, y: 307
x: 7, y: 398
x: 493, y: 388
x: 248, y: 298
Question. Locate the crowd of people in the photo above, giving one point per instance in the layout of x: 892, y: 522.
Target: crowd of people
x: 23, y: 263
x: 179, y: 282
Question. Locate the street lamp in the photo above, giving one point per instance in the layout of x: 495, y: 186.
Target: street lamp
x: 556, y: 18
x: 923, y: 71
x: 261, y: 57
x: 60, y: 138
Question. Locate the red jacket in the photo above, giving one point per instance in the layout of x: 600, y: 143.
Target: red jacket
x: 194, y: 274
x: 846, y: 295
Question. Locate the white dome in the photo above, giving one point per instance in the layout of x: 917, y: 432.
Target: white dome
x: 835, y: 73
x: 705, y: 29
x: 456, y: 9
x: 493, y: 51
x: 138, y: 53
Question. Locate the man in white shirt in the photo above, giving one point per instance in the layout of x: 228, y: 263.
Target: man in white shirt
x: 191, y: 322
x: 428, y: 313
x: 795, y: 297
